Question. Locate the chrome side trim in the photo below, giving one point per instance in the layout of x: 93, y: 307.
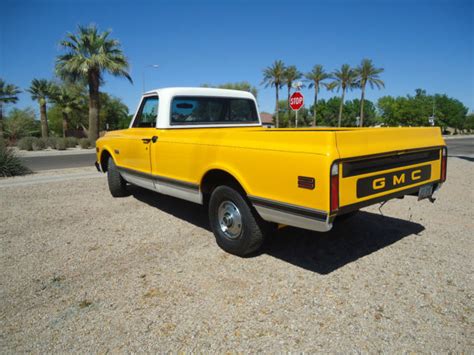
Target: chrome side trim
x: 179, y: 192
x: 166, y: 186
x: 291, y: 215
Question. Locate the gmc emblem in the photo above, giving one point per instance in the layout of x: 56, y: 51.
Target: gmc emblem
x: 384, y: 182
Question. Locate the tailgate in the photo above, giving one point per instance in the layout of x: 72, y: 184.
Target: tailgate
x: 380, y: 163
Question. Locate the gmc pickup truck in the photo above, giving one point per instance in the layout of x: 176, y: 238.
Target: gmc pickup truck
x: 208, y: 146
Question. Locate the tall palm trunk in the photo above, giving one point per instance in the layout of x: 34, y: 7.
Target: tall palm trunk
x: 341, y: 106
x: 315, y: 103
x: 288, y: 106
x: 94, y: 105
x: 65, y: 119
x: 277, y: 108
x: 44, y: 120
x: 362, y: 97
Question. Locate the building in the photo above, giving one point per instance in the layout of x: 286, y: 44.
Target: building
x: 267, y: 119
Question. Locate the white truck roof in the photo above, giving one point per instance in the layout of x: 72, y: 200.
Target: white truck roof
x: 166, y: 95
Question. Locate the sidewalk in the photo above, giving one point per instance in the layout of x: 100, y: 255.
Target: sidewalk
x: 51, y: 176
x: 459, y: 136
x: 52, y: 152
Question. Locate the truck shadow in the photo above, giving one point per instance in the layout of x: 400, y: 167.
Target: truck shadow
x: 323, y: 253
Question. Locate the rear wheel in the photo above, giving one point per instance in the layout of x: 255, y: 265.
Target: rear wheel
x: 117, y: 184
x: 238, y: 230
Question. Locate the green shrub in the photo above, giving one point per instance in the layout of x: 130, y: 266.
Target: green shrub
x: 3, y: 142
x: 71, y: 142
x: 26, y: 143
x: 50, y: 142
x: 38, y: 144
x: 10, y: 164
x: 85, y: 143
x: 61, y: 144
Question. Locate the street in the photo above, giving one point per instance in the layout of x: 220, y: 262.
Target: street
x: 462, y: 147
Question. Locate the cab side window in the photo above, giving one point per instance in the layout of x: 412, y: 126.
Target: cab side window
x: 147, y: 114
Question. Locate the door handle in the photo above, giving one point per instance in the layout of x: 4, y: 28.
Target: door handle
x: 146, y: 140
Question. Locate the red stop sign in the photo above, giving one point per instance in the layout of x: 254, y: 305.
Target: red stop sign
x: 296, y: 101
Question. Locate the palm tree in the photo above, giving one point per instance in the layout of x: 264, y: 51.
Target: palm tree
x: 367, y: 74
x: 8, y: 95
x: 274, y: 76
x: 90, y: 54
x: 68, y: 98
x: 344, y: 79
x: 42, y: 90
x: 316, y: 77
x: 291, y: 74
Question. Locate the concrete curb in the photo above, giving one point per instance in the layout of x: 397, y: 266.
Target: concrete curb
x: 56, y: 176
x: 459, y: 136
x: 52, y: 152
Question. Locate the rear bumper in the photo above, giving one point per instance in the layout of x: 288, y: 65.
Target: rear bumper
x: 410, y: 191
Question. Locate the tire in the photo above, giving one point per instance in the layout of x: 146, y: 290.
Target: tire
x: 117, y: 184
x: 237, y: 229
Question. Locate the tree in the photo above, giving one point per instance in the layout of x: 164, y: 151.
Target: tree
x: 344, y: 79
x: 291, y: 74
x: 89, y: 54
x: 316, y: 78
x: 42, y: 90
x: 8, y: 94
x: 68, y: 99
x: 242, y: 86
x: 367, y: 74
x: 449, y: 112
x: 113, y: 113
x: 274, y: 76
x: 21, y: 123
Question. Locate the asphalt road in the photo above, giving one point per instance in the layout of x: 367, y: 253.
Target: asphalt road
x: 462, y: 147
x: 59, y: 161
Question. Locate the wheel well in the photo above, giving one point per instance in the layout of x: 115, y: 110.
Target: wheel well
x: 216, y: 177
x: 104, y: 158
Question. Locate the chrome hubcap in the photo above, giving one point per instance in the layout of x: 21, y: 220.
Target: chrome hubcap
x: 230, y: 219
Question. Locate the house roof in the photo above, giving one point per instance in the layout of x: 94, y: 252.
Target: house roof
x: 266, y: 118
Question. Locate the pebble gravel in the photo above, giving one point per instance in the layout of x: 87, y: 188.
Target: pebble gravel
x: 83, y: 272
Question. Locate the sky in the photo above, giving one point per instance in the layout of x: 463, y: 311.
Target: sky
x: 420, y: 44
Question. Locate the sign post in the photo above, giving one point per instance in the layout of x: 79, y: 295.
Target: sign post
x: 296, y: 102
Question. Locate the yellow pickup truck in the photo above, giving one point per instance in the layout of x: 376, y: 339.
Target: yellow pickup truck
x: 208, y: 146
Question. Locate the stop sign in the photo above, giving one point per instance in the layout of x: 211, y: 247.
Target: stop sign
x: 296, y: 101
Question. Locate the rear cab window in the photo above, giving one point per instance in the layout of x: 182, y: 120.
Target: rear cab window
x: 188, y: 110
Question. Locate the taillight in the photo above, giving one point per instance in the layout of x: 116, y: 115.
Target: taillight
x: 444, y: 164
x: 334, y: 187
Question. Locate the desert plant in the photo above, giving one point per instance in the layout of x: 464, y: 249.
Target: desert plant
x: 274, y: 76
x: 25, y: 143
x: 89, y: 54
x: 10, y: 164
x: 344, y: 79
x: 71, y: 142
x: 51, y: 142
x: 8, y: 94
x: 368, y: 74
x: 84, y: 143
x: 42, y: 90
x: 316, y: 78
x: 38, y: 144
x: 61, y: 144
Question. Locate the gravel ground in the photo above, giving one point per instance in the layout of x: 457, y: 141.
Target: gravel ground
x: 81, y: 271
